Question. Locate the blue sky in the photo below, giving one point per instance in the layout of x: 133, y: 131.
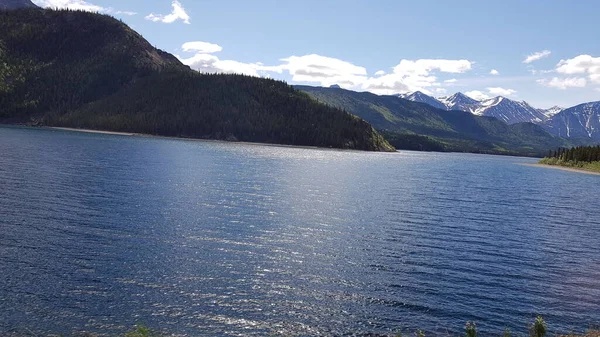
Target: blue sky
x: 544, y: 52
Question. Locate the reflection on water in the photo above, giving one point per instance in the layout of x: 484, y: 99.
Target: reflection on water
x: 99, y: 232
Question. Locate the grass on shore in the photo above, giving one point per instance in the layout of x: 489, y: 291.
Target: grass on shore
x: 538, y: 328
x: 588, y: 166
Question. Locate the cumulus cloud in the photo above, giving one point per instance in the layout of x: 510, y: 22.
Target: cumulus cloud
x: 582, y: 64
x: 201, y: 47
x: 537, y: 56
x: 178, y: 13
x: 207, y: 63
x: 71, y: 4
x: 450, y: 81
x: 497, y: 91
x: 477, y: 95
x: 408, y: 75
x: 204, y: 61
x: 494, y: 72
x: 564, y: 83
x: 413, y: 75
x: 323, y: 70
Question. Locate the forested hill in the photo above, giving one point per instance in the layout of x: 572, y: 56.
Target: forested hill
x: 419, y: 126
x: 86, y: 70
x: 15, y: 4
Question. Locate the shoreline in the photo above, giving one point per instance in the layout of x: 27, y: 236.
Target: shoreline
x: 97, y: 131
x: 133, y: 134
x: 564, y: 168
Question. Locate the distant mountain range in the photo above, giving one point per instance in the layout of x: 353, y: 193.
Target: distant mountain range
x: 416, y: 126
x: 582, y: 121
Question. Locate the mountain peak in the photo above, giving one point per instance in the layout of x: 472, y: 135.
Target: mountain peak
x: 420, y: 97
x: 15, y: 4
x: 458, y: 101
x: 335, y: 86
x: 460, y: 95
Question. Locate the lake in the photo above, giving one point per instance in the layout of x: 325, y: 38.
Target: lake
x: 100, y: 232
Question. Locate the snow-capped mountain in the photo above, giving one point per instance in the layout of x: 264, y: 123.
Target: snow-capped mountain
x: 420, y: 97
x: 508, y: 111
x: 581, y: 121
x: 551, y: 111
x: 502, y: 108
x: 15, y: 4
x: 458, y: 101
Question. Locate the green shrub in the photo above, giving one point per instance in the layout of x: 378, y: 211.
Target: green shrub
x: 140, y: 331
x: 539, y: 327
x: 470, y: 329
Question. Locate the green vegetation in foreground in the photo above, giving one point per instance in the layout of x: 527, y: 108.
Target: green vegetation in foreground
x: 417, y: 126
x: 87, y: 70
x: 582, y: 157
x: 538, y: 328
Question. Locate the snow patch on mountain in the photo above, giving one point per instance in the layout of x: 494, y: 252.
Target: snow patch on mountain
x: 582, y: 121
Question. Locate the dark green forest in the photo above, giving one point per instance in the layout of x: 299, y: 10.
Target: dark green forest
x: 86, y: 70
x: 586, y: 154
x: 581, y: 157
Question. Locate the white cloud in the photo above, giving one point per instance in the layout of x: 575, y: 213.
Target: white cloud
x: 203, y: 61
x: 452, y: 80
x: 597, y: 89
x: 201, y: 47
x: 324, y: 70
x: 582, y: 64
x: 128, y: 13
x: 564, y: 83
x: 477, y: 95
x: 80, y: 5
x: 441, y: 91
x: 207, y: 63
x: 497, y: 91
x: 71, y: 4
x: 178, y: 13
x: 424, y: 66
x: 408, y: 75
x: 413, y: 75
x: 494, y: 72
x: 537, y: 56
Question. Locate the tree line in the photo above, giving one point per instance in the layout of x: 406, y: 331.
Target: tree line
x: 586, y: 154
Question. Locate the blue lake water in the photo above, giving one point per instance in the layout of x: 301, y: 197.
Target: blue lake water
x: 100, y: 232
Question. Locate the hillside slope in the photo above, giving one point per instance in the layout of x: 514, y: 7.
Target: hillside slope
x: 68, y: 68
x: 413, y: 125
x: 581, y: 121
x: 16, y: 4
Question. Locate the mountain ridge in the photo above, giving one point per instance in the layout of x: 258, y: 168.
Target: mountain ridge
x: 16, y: 4
x: 559, y: 121
x: 88, y: 70
x: 419, y: 126
x: 580, y: 121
